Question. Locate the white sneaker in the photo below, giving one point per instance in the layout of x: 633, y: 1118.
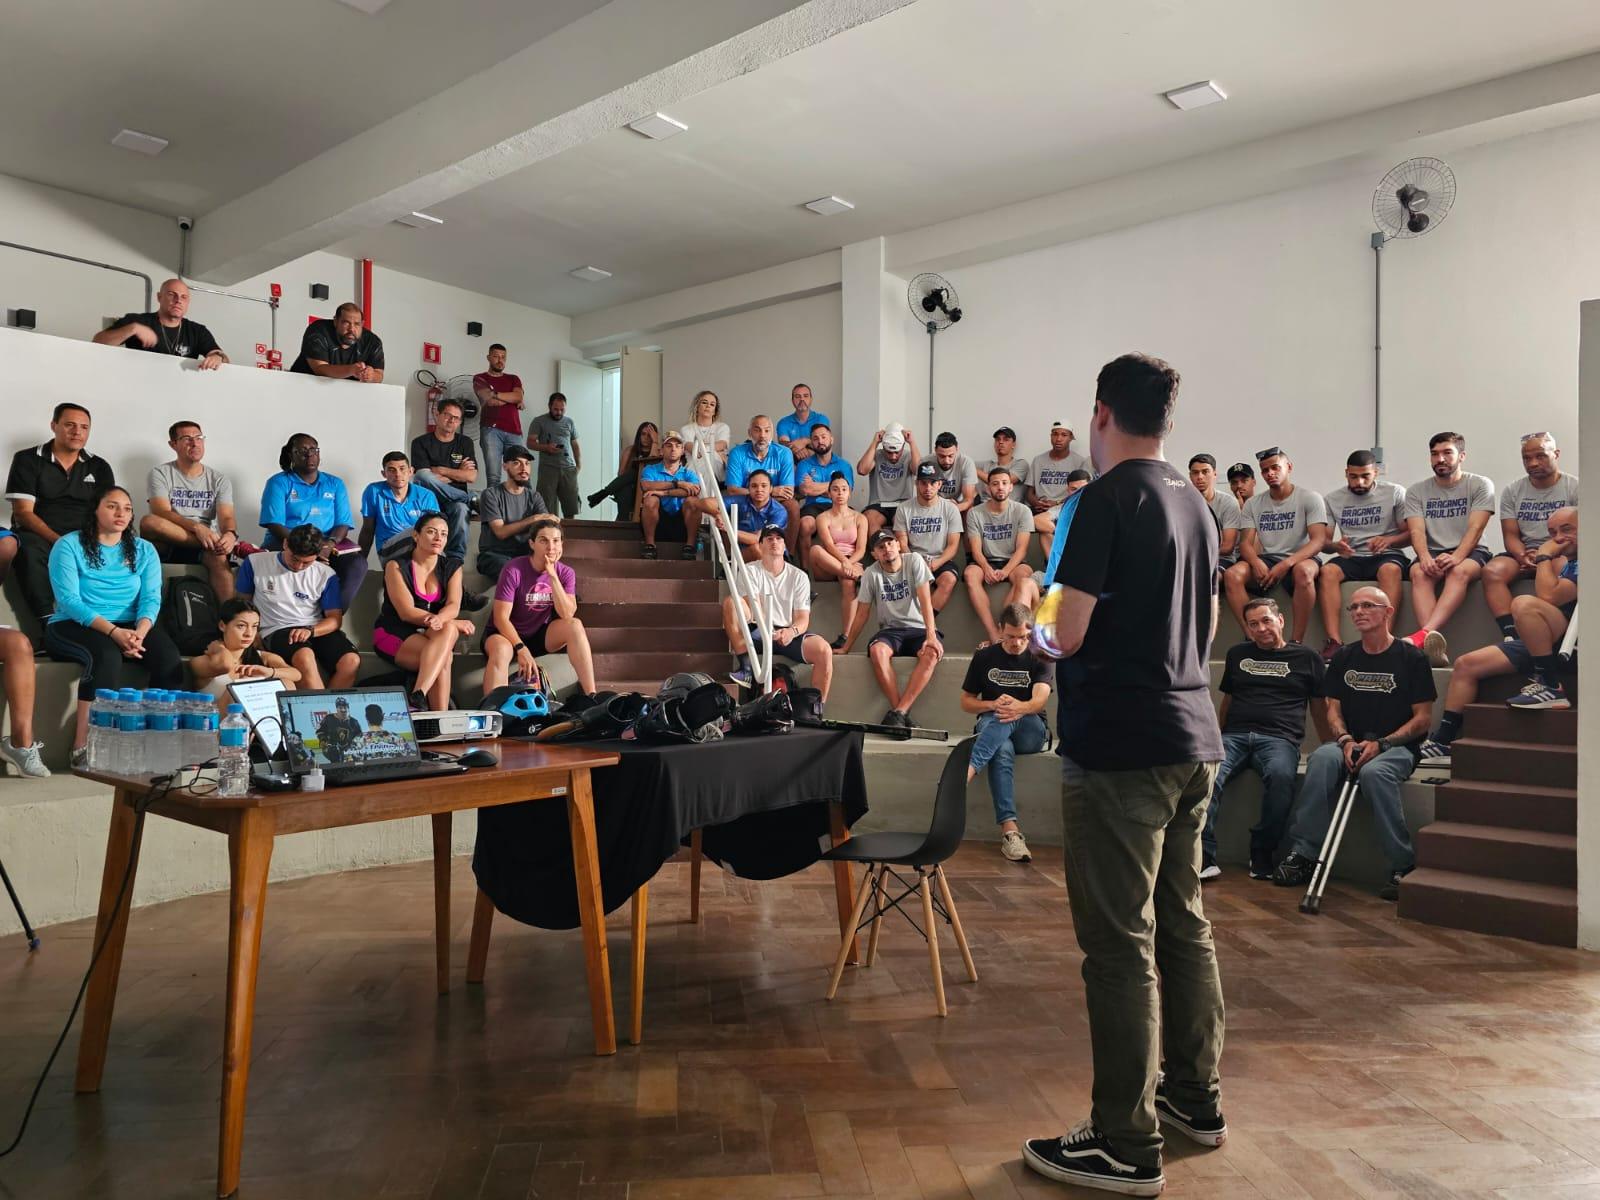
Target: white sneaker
x: 1014, y: 847
x: 26, y: 758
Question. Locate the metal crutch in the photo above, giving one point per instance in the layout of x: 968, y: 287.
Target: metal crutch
x: 1312, y: 904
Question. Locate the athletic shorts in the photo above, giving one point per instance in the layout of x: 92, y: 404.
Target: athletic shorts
x: 812, y: 509
x: 671, y: 527
x: 1271, y: 560
x: 1522, y: 571
x: 188, y: 556
x: 944, y: 568
x: 1480, y: 555
x: 327, y: 649
x: 997, y: 563
x: 533, y: 641
x: 792, y: 651
x: 1363, y: 568
x: 905, y: 642
x: 886, y: 511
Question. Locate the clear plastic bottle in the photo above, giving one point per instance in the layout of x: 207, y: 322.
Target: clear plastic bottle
x: 102, y: 725
x: 233, y: 754
x: 130, y: 723
x: 203, y: 710
x: 161, y: 733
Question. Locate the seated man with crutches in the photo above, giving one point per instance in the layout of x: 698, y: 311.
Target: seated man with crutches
x: 1380, y: 695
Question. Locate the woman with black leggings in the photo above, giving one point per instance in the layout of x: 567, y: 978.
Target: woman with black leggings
x: 107, y: 585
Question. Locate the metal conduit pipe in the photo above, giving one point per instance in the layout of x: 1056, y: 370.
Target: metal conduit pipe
x: 149, y: 284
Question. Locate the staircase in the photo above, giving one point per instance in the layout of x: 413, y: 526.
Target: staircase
x: 1501, y: 856
x: 646, y: 620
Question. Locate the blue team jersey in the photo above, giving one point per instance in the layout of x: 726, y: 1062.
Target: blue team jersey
x: 777, y: 462
x: 1570, y: 571
x: 393, y: 516
x: 812, y: 469
x: 288, y: 500
x: 658, y: 473
x: 751, y: 518
x: 793, y: 429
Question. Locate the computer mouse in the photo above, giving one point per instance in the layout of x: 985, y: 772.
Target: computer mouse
x: 479, y: 757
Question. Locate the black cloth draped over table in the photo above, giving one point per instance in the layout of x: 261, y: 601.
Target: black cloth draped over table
x: 762, y: 803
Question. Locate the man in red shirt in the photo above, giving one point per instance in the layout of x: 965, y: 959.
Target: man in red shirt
x: 500, y: 401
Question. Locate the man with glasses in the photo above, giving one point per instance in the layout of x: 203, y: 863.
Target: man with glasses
x: 301, y: 609
x: 446, y: 464
x: 1369, y: 514
x: 1380, y: 702
x: 1446, y: 514
x: 1284, y: 529
x: 167, y: 330
x: 1525, y: 508
x: 191, y: 509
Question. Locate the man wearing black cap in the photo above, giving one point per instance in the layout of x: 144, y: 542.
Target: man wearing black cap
x: 1005, y: 455
x: 899, y: 586
x: 1224, y: 508
x: 930, y: 526
x: 1242, y: 482
x: 1286, y: 526
x: 1133, y: 621
x: 508, y: 510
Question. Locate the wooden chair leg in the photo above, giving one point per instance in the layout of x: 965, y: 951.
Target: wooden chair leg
x: 478, y: 947
x: 955, y: 922
x: 932, y: 931
x: 848, y: 941
x: 880, y: 893
x: 641, y: 909
x: 695, y: 857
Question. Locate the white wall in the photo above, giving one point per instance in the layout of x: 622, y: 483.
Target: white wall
x: 752, y: 359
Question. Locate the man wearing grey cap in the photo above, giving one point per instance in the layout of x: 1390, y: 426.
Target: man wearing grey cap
x: 1049, y: 472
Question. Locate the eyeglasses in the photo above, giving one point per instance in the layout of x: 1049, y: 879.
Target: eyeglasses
x: 1363, y: 606
x: 192, y: 437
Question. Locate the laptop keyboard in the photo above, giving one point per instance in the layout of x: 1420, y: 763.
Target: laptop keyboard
x: 378, y: 772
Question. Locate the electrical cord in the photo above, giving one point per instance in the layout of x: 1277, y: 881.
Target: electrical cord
x: 162, y: 784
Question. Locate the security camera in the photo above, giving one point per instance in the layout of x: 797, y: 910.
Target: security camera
x: 186, y: 223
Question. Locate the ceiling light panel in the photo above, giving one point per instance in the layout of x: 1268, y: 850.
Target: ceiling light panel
x: 419, y: 220
x: 1196, y: 95
x: 826, y: 206
x: 657, y: 126
x: 370, y: 7
x: 590, y: 274
x: 140, y: 143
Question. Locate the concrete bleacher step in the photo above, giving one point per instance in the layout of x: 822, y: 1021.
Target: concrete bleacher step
x: 614, y: 614
x: 594, y: 587
x: 902, y: 778
x: 1535, y: 912
x: 1500, y: 852
x: 1555, y: 727
x: 1491, y: 760
x: 1550, y: 809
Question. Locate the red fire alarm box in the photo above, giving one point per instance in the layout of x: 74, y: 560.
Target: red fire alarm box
x: 277, y: 290
x: 274, y: 357
x: 430, y: 352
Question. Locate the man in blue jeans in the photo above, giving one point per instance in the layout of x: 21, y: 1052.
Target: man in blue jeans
x: 1007, y: 687
x: 1266, y: 685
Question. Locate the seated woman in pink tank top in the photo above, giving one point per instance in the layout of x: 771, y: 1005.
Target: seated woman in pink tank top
x: 839, y: 547
x: 418, y: 624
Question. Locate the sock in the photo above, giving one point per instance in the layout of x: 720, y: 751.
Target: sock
x: 1546, y: 668
x: 1507, y: 625
x: 1449, y: 727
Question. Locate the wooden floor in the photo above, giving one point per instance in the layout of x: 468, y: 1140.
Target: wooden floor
x: 1365, y: 1056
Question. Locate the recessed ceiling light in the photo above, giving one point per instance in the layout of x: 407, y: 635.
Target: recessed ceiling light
x: 370, y: 7
x: 590, y: 274
x: 140, y: 143
x: 657, y: 126
x: 828, y: 205
x: 1196, y: 95
x: 419, y: 220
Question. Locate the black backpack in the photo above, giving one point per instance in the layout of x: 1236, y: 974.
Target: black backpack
x: 189, y: 614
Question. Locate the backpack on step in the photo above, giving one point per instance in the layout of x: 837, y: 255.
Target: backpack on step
x: 189, y: 614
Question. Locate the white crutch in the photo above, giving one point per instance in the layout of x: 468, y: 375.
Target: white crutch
x: 1312, y: 903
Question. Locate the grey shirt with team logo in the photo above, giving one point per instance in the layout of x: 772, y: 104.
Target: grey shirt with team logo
x: 1446, y: 511
x: 894, y: 594
x: 928, y: 529
x: 1049, y: 475
x: 192, y: 499
x: 1282, y: 526
x: 959, y: 475
x: 1017, y: 468
x: 1530, y: 507
x: 998, y: 531
x: 1379, y: 513
x: 891, y: 482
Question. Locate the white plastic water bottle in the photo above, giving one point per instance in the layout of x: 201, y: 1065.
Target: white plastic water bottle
x: 102, y: 723
x: 206, y: 720
x: 192, y: 722
x: 161, y: 733
x: 233, y: 753
x: 130, y: 722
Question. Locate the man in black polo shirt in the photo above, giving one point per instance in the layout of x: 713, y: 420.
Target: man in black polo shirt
x: 52, y: 489
x: 167, y: 330
x: 447, y: 463
x: 341, y: 348
x: 1132, y: 621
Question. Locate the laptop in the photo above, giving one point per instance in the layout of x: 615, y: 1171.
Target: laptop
x: 359, y: 735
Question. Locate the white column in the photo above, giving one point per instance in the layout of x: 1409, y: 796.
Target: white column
x: 873, y: 345
x: 1589, y: 651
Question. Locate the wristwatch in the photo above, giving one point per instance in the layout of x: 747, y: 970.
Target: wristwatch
x: 518, y: 646
x: 1385, y: 745
x: 1539, y: 558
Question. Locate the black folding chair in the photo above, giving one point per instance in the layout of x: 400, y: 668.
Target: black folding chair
x: 924, y: 853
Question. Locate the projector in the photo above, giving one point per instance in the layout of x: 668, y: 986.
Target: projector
x: 456, y: 725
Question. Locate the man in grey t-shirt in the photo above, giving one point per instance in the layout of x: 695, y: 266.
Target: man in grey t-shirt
x: 507, y: 511
x: 1368, y: 513
x: 998, y: 533
x: 1005, y: 455
x: 555, y: 437
x: 1525, y: 508
x: 1446, y: 514
x: 1224, y: 508
x: 191, y: 509
x: 931, y: 526
x: 1048, y: 476
x: 958, y: 478
x: 899, y: 586
x: 1285, y: 527
x: 887, y: 465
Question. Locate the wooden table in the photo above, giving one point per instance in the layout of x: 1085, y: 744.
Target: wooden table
x: 251, y: 822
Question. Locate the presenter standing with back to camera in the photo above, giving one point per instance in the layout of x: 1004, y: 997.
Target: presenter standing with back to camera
x: 1133, y: 620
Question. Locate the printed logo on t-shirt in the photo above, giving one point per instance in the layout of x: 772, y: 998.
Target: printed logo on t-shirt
x: 948, y: 487
x: 538, y: 597
x: 888, y: 471
x: 1054, y: 476
x: 925, y: 524
x: 1176, y: 483
x: 1268, y: 669
x: 1276, y: 520
x: 895, y: 588
x: 997, y: 533
x: 1445, y: 508
x: 1003, y: 678
x: 1363, y: 516
x: 1532, y: 511
x: 1369, y: 681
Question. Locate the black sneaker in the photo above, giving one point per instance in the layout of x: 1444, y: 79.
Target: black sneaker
x: 1084, y: 1157
x: 1294, y: 871
x: 473, y: 601
x: 1260, y: 864
x: 1391, y: 890
x: 838, y: 642
x: 1208, y: 1129
x: 594, y: 498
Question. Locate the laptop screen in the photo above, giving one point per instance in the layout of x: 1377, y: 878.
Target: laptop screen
x: 260, y: 700
x: 341, y: 729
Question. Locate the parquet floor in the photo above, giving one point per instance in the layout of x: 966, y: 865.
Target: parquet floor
x: 1365, y: 1057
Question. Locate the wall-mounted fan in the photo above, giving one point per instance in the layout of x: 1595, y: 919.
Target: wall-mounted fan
x: 1412, y: 199
x: 936, y: 307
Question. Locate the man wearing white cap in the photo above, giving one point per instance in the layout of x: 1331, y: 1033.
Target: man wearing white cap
x: 1048, y: 477
x: 888, y: 464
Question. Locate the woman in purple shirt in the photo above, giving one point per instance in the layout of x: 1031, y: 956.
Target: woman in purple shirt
x: 535, y: 612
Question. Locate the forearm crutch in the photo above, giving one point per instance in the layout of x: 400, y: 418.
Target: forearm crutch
x: 1312, y: 904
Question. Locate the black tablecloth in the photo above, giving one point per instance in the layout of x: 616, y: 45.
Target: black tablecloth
x: 762, y: 803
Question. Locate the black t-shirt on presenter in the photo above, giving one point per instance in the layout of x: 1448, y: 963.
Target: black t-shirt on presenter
x: 1268, y: 689
x: 189, y: 340
x: 1376, y: 691
x: 321, y: 342
x: 1137, y: 693
x: 993, y: 673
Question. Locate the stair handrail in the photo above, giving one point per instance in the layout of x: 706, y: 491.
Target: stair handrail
x: 1569, y: 641
x: 725, y: 551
